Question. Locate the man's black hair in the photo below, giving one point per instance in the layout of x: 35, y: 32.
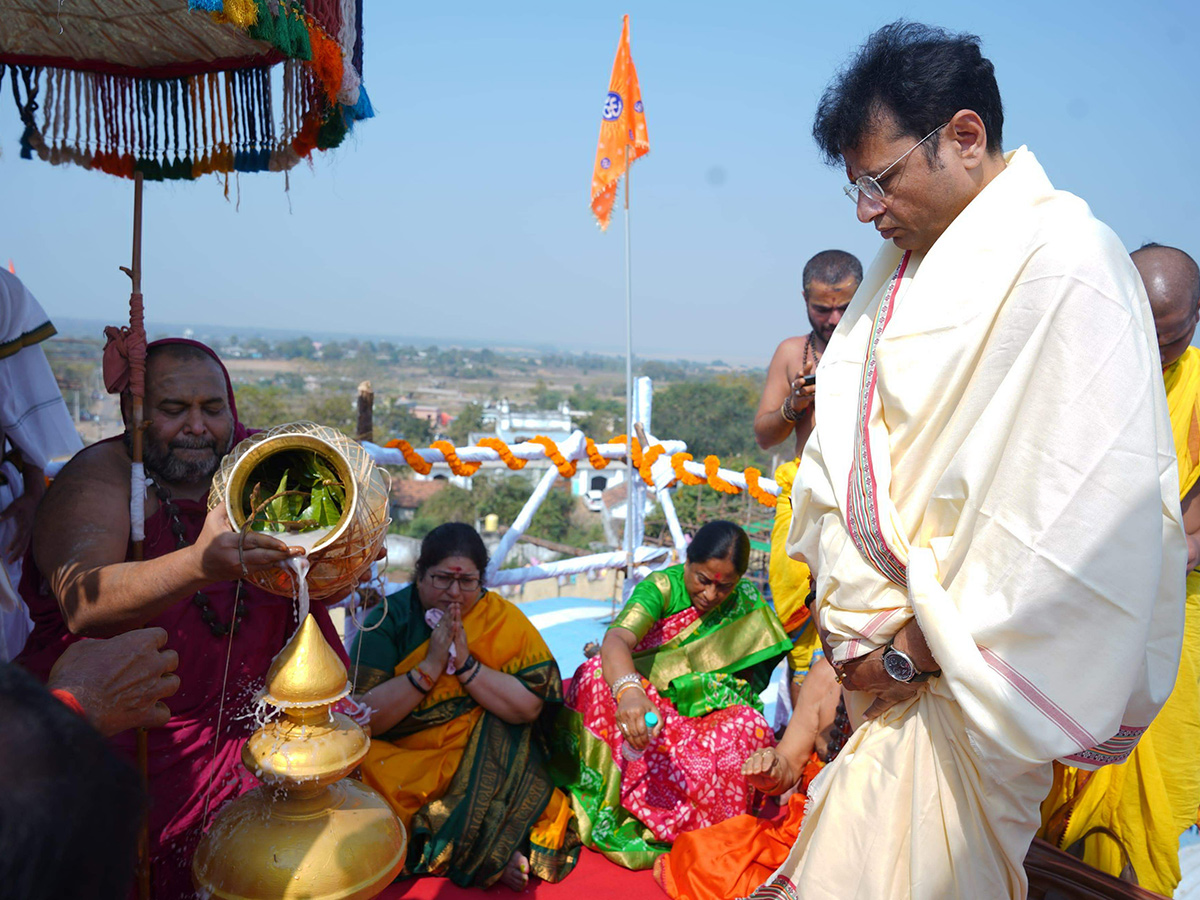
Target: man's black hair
x: 922, y: 75
x: 832, y: 267
x: 69, y: 806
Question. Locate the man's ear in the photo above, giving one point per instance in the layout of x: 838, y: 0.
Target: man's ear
x: 968, y: 137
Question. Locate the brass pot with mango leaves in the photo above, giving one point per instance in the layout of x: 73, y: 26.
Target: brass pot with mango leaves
x: 308, y: 486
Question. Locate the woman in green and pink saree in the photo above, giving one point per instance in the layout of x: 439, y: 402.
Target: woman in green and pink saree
x: 655, y: 729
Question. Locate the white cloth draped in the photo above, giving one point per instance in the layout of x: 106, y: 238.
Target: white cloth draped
x: 33, y: 418
x: 993, y: 424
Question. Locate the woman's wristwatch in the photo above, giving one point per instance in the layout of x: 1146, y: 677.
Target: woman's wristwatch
x: 900, y: 667
x: 470, y: 668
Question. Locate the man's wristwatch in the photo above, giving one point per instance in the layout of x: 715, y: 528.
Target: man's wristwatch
x: 899, y: 666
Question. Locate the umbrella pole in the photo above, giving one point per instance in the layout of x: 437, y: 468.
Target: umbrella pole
x: 137, y: 326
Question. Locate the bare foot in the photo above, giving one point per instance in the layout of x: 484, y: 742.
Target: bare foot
x: 516, y: 873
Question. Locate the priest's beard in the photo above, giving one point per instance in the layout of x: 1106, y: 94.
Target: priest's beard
x: 161, y: 459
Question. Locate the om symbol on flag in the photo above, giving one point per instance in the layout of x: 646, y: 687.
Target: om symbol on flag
x: 613, y: 104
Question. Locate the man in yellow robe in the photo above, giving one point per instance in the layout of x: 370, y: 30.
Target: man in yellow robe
x: 989, y: 497
x: 785, y: 412
x: 1126, y: 819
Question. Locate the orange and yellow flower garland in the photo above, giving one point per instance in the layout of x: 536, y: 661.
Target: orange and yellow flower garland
x: 643, y: 462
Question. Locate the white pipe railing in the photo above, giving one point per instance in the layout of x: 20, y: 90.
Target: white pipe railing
x: 577, y: 565
x: 570, y: 446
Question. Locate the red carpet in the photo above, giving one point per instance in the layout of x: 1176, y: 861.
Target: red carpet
x: 594, y: 877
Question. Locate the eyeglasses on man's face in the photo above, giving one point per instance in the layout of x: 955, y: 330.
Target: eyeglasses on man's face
x: 869, y: 184
x: 443, y: 581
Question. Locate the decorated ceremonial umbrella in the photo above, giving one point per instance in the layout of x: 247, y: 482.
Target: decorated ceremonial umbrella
x: 167, y: 89
x: 177, y: 89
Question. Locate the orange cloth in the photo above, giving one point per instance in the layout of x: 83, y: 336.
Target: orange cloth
x: 732, y: 858
x: 623, y: 124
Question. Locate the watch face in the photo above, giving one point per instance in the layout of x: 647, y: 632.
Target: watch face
x: 898, y: 665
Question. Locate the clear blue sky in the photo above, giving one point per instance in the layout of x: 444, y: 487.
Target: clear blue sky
x: 462, y: 209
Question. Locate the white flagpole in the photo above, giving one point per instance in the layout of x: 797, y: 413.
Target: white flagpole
x: 629, y: 492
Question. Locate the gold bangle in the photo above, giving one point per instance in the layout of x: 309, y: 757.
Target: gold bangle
x: 786, y: 410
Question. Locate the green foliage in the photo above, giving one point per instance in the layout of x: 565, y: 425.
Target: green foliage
x: 308, y: 494
x: 296, y: 348
x: 544, y: 398
x: 334, y: 410
x: 263, y: 405
x: 395, y: 421
x: 470, y: 419
x: 607, y: 415
x: 450, y: 504
x: 714, y: 416
x: 665, y: 371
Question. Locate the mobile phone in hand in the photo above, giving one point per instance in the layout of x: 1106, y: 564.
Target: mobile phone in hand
x: 807, y: 380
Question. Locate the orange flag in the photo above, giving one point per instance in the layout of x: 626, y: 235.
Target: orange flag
x: 623, y: 123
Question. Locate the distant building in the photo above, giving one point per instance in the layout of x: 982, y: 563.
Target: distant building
x: 431, y: 414
x: 514, y: 426
x: 409, y: 493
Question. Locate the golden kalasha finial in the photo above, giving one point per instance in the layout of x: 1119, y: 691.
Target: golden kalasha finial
x: 307, y: 672
x: 308, y: 831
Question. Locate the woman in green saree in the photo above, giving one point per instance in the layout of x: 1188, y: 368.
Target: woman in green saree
x: 457, y: 679
x: 655, y: 729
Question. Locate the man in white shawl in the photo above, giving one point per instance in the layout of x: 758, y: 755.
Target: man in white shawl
x: 35, y: 427
x: 989, y: 499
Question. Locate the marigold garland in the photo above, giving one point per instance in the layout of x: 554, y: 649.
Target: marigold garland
x: 457, y: 466
x: 647, y: 462
x: 684, y: 476
x: 715, y: 481
x: 415, y: 461
x: 504, y: 452
x: 565, y: 469
x: 593, y: 455
x: 635, y: 445
x: 643, y: 462
x: 752, y: 486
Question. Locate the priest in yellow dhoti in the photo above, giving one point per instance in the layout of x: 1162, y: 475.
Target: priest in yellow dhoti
x: 989, y: 498
x: 1126, y: 819
x: 785, y: 417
